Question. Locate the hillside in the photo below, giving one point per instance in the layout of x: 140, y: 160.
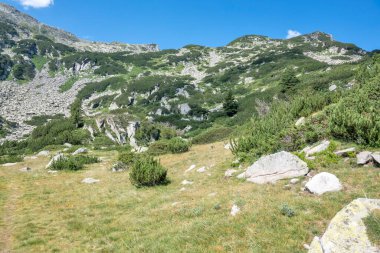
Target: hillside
x: 254, y: 146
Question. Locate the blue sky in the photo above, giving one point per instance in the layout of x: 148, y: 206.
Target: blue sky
x: 175, y: 23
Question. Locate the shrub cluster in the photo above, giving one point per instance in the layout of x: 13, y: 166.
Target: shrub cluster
x: 175, y: 145
x: 147, y: 171
x: 73, y: 162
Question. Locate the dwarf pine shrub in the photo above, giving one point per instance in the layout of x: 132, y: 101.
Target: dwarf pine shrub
x: 147, y: 171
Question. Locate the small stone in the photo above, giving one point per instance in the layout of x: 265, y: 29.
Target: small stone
x: 318, y: 148
x: 287, y: 187
x: 90, y: 180
x: 25, y: 169
x: 68, y: 145
x: 227, y: 146
x: 201, y: 170
x: 294, y: 180
x: 52, y: 171
x: 186, y: 182
x: 191, y: 168
x: 301, y: 121
x: 230, y: 173
x: 235, y: 210
x: 182, y: 189
x: 213, y: 194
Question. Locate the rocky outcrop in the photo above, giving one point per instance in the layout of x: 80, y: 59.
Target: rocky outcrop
x: 317, y: 148
x: 271, y: 168
x: 346, y: 232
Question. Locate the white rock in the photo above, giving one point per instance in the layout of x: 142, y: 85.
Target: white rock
x: 235, y: 210
x: 333, y: 87
x: 322, y: 183
x: 317, y: 149
x: 80, y: 151
x: 227, y: 146
x: 376, y: 157
x: 43, y: 153
x: 68, y: 145
x: 345, y: 152
x: 55, y: 158
x: 269, y: 169
x: 201, y: 170
x: 230, y: 173
x: 90, y: 180
x: 8, y: 164
x: 191, y: 168
x: 301, y: 121
x: 186, y: 182
x: 294, y: 180
x: 346, y: 232
x: 213, y: 194
x: 52, y: 171
x: 363, y: 157
x: 182, y: 189
x: 25, y: 169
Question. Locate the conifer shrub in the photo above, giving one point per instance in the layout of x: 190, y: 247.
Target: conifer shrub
x: 175, y: 145
x: 73, y: 163
x: 147, y: 171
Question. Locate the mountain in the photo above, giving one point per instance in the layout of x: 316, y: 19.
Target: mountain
x: 44, y: 70
x: 27, y: 27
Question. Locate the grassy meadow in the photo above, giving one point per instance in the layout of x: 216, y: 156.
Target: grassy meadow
x: 44, y: 212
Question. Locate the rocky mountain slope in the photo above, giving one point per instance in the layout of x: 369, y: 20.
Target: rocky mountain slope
x: 44, y: 68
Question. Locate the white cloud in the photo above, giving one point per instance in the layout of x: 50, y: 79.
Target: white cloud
x: 36, y: 3
x: 292, y: 34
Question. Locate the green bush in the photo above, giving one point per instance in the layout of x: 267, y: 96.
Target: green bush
x: 212, y: 135
x: 287, y: 211
x: 127, y: 158
x: 175, y: 145
x: 146, y: 171
x: 73, y: 162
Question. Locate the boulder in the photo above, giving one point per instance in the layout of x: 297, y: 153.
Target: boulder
x: 269, y: 169
x: 317, y: 149
x: 55, y: 158
x: 363, y: 157
x: 80, y: 151
x: 322, y: 183
x: 333, y: 87
x: 345, y: 152
x: 90, y: 180
x: 301, y: 121
x: 346, y: 232
x: 376, y: 157
x: 68, y: 145
x: 43, y: 153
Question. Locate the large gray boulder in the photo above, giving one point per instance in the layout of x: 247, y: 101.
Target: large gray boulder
x: 376, y: 157
x: 363, y: 157
x: 80, y: 151
x: 317, y: 148
x: 322, y: 183
x: 271, y: 168
x: 347, y: 231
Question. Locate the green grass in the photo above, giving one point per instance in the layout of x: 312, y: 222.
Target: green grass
x: 39, y: 62
x: 56, y: 212
x: 372, y: 223
x: 68, y: 84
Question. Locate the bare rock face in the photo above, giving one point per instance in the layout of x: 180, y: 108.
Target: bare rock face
x: 347, y: 231
x: 322, y: 183
x: 271, y: 168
